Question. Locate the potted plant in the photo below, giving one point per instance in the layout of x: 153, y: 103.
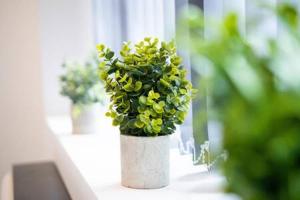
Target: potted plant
x: 81, y: 84
x: 149, y: 95
x: 255, y: 95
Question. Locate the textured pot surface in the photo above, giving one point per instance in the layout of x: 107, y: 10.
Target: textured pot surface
x: 145, y: 161
x: 87, y: 120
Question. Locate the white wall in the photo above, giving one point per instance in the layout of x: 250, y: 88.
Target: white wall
x: 23, y: 133
x: 66, y: 33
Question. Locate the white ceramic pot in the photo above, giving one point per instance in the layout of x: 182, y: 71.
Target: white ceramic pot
x: 86, y: 120
x: 145, y: 161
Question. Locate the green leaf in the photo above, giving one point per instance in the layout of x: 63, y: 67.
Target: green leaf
x: 118, y: 120
x: 115, y: 122
x: 162, y: 103
x: 153, y: 95
x: 142, y: 100
x: 156, y: 122
x: 128, y: 87
x: 147, y: 86
x: 113, y: 114
x: 182, y: 91
x: 137, y: 72
x: 153, y: 113
x: 148, y: 129
x: 139, y: 124
x: 147, y: 39
x: 144, y: 118
x: 131, y: 123
x: 109, y: 55
x: 156, y: 125
x: 124, y: 78
x: 165, y: 83
x: 103, y: 75
x: 180, y: 116
x: 138, y: 86
x: 100, y: 47
x: 158, y: 108
x: 149, y: 101
x: 102, y: 65
x: 141, y: 109
x: 117, y: 74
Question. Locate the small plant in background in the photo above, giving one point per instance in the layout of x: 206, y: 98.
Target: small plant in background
x: 148, y: 87
x: 80, y: 82
x: 255, y: 93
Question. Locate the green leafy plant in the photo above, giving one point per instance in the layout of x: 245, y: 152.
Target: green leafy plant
x: 148, y: 87
x: 255, y: 93
x: 80, y: 82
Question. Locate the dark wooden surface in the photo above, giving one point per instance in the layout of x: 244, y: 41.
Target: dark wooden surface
x: 38, y: 181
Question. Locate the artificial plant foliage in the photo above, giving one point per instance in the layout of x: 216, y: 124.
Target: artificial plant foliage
x: 148, y: 87
x: 80, y: 82
x: 254, y: 93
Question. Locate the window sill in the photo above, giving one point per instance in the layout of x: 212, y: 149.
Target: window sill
x: 90, y: 166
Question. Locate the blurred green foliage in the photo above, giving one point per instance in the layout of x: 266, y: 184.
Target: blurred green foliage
x: 148, y: 87
x: 80, y: 82
x: 255, y: 94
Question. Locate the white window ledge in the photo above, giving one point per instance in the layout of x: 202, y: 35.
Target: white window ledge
x: 90, y: 167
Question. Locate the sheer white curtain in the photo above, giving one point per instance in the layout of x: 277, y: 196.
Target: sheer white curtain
x: 145, y: 18
x: 150, y: 18
x: 107, y: 22
x: 122, y: 20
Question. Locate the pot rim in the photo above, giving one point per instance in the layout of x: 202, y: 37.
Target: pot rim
x: 150, y: 137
